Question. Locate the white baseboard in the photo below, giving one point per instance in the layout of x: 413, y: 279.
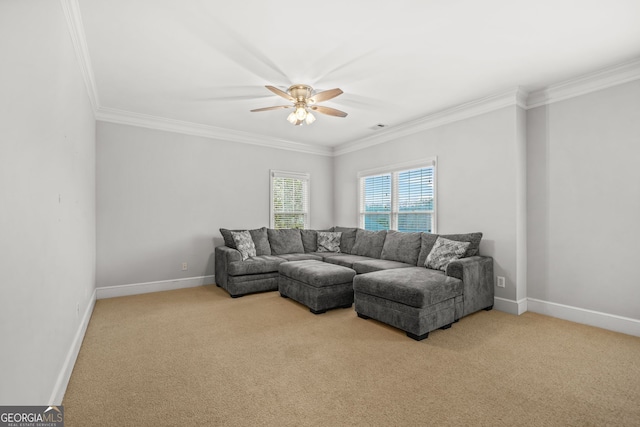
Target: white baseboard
x: 147, y: 287
x: 67, y: 368
x: 611, y: 322
x: 510, y: 306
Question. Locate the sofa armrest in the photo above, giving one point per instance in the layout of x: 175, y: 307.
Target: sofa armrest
x: 476, y: 273
x: 224, y: 255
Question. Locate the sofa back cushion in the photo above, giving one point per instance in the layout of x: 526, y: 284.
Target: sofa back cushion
x: 369, y: 243
x: 403, y: 247
x: 309, y: 240
x: 348, y: 238
x: 285, y: 241
x: 259, y: 237
x: 428, y: 240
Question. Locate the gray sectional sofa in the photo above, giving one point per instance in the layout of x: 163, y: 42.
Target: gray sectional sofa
x: 390, y: 281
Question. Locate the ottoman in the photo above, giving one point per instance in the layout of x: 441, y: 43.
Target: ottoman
x: 318, y: 285
x: 415, y: 299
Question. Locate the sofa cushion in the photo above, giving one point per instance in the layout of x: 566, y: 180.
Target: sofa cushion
x: 445, y: 251
x: 369, y: 243
x: 257, y: 265
x: 348, y: 238
x: 259, y: 236
x: 261, y: 241
x: 285, y: 241
x: 244, y: 244
x: 428, y: 240
x: 325, y: 255
x: 329, y: 241
x: 309, y: 240
x: 347, y: 260
x: 300, y: 257
x: 403, y: 247
x: 368, y: 266
x: 413, y: 286
x: 316, y: 273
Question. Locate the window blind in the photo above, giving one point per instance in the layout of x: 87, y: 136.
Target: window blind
x: 289, y: 200
x: 402, y: 200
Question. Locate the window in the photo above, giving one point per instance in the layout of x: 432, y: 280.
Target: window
x: 289, y: 199
x: 399, y: 198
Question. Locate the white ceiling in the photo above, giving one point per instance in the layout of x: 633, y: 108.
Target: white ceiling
x: 207, y: 62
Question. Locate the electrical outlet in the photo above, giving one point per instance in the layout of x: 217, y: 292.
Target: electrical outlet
x: 184, y: 266
x: 501, y: 282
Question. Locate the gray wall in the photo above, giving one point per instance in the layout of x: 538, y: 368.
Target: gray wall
x: 47, y: 188
x: 163, y: 196
x: 584, y: 201
x: 477, y: 173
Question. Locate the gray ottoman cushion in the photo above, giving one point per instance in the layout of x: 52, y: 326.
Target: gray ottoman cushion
x: 414, y: 286
x: 317, y: 273
x: 318, y: 285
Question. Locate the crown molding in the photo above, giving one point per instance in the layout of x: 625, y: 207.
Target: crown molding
x: 114, y: 115
x: 477, y: 107
x: 586, y: 83
x: 71, y: 10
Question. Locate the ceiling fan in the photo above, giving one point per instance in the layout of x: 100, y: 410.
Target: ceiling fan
x: 304, y: 100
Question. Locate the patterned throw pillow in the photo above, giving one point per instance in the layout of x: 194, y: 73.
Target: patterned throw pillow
x: 244, y: 243
x: 329, y: 241
x: 444, y: 251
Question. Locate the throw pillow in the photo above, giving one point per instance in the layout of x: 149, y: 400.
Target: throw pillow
x: 228, y: 238
x: 244, y: 243
x: 329, y: 241
x: 444, y: 251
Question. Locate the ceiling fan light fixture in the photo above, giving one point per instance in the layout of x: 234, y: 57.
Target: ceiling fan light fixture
x: 292, y: 118
x: 301, y: 112
x: 310, y: 118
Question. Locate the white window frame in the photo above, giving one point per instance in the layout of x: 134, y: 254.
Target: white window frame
x: 394, y: 170
x: 306, y: 177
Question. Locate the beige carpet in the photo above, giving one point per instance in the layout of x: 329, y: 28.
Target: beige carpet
x: 196, y: 357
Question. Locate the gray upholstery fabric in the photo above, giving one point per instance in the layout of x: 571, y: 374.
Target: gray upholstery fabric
x: 348, y: 238
x: 256, y: 265
x: 317, y: 299
x: 473, y: 238
x: 228, y: 238
x: 261, y: 241
x: 347, y: 260
x: 317, y: 273
x: 372, y: 265
x: 369, y: 243
x: 418, y: 321
x: 309, y: 240
x: 224, y: 256
x: 244, y: 284
x: 428, y: 240
x: 476, y: 274
x: 285, y: 241
x: 403, y: 247
x: 415, y: 286
x: 300, y: 257
x: 259, y: 236
x: 325, y: 255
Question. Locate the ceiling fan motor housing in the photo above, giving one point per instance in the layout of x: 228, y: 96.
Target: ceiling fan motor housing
x: 300, y: 92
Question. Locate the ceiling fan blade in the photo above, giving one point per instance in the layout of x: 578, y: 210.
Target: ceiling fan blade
x: 324, y: 96
x: 278, y: 107
x: 281, y: 93
x: 328, y: 110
